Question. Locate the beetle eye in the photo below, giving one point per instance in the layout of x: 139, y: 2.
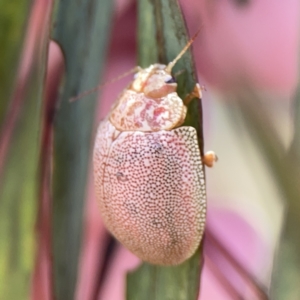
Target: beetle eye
x: 171, y: 80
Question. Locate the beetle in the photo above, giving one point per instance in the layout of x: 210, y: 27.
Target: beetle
x: 148, y: 170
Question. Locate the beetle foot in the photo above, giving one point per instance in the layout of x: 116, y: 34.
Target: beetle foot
x: 195, y: 93
x: 209, y: 158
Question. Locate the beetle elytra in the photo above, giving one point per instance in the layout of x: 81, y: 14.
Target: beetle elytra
x: 148, y: 171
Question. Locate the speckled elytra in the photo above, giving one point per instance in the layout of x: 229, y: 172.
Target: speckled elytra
x: 148, y: 170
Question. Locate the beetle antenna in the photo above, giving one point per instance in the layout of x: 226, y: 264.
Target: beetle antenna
x: 79, y: 96
x: 174, y: 61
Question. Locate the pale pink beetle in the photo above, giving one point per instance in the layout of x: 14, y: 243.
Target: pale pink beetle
x: 148, y: 172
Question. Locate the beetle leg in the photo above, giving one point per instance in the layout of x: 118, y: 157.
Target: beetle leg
x: 195, y: 93
x: 209, y: 158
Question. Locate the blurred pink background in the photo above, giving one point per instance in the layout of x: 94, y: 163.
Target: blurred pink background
x: 255, y: 42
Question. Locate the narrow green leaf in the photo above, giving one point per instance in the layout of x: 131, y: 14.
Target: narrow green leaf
x: 169, y: 283
x: 19, y: 175
x: 81, y: 28
x: 286, y: 275
x: 13, y: 20
x: 162, y: 35
x: 295, y: 147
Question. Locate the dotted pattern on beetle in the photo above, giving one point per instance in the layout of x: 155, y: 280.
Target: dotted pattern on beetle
x: 151, y: 191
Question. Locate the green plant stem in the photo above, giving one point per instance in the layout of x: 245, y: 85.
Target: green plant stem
x: 161, y: 36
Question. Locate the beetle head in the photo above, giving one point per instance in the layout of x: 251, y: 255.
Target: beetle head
x: 154, y: 82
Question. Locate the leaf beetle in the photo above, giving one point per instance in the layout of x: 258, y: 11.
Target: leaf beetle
x: 148, y: 170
